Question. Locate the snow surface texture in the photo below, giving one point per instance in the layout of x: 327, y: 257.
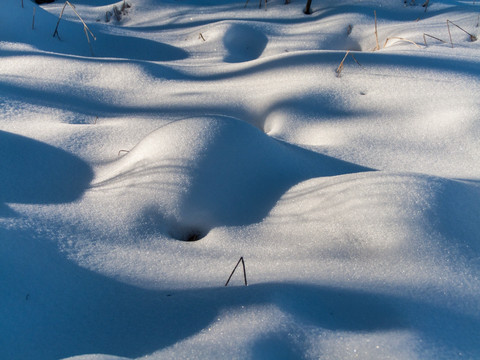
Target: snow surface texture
x: 135, y: 171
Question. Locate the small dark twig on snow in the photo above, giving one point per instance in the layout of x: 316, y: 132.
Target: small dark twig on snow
x: 235, y: 268
x: 425, y: 5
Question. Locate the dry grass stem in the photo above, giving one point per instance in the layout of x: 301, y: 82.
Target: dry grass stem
x: 259, y: 5
x: 340, y: 67
x: 123, y: 151
x: 58, y: 22
x: 85, y: 27
x: 88, y: 40
x: 353, y: 57
x: 200, y: 36
x: 400, y: 38
x: 377, y: 47
x: 425, y: 5
x: 472, y: 37
x: 433, y: 37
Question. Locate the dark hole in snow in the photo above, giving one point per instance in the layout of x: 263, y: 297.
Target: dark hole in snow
x: 188, y: 234
x: 193, y: 236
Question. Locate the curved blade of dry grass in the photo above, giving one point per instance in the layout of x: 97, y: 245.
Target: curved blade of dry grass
x: 400, y: 38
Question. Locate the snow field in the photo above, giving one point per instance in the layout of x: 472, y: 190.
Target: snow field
x: 353, y: 198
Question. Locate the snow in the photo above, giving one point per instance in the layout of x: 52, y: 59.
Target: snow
x: 352, y: 193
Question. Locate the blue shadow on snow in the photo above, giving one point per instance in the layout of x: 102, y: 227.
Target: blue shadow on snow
x: 55, y: 309
x: 32, y: 172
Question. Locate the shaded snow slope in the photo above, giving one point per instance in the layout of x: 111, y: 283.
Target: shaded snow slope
x: 371, y: 268
x: 213, y: 171
x: 36, y: 173
x: 137, y: 170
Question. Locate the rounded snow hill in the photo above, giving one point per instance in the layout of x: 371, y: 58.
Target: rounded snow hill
x: 243, y: 43
x: 198, y: 173
x: 33, y: 172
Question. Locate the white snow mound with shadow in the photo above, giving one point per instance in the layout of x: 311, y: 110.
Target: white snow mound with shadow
x: 200, y: 173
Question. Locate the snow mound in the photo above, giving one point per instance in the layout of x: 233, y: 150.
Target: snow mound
x: 32, y: 172
x: 243, y: 43
x: 199, y: 173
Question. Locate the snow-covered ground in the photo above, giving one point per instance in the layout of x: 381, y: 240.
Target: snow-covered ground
x: 351, y: 189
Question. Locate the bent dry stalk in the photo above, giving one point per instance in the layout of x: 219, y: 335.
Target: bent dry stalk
x: 400, y: 38
x: 340, y: 67
x: 433, y: 37
x: 472, y: 37
x: 85, y: 27
x: 235, y: 268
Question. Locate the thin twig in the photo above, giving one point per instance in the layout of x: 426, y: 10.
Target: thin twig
x: 433, y: 37
x: 425, y: 5
x: 340, y: 67
x: 33, y: 19
x: 353, y: 57
x: 88, y: 39
x: 58, y: 22
x: 472, y: 37
x: 243, y: 262
x: 235, y: 268
x: 123, y: 151
x: 400, y: 38
x: 200, y: 36
x: 376, y: 32
x: 260, y: 4
x: 76, y: 13
x: 83, y: 22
